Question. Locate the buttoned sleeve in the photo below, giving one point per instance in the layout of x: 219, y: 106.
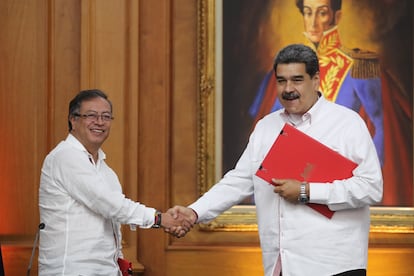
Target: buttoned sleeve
x: 365, y: 187
x: 235, y: 186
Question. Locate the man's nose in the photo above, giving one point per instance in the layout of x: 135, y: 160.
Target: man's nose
x: 314, y: 20
x: 289, y: 86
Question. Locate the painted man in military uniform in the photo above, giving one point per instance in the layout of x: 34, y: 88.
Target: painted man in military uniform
x: 349, y: 77
x: 353, y: 78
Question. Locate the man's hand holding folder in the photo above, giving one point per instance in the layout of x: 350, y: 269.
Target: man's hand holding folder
x: 297, y: 156
x: 288, y: 188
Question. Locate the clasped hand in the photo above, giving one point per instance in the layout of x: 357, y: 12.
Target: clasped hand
x: 178, y: 220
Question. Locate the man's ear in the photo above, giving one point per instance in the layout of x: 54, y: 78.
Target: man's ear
x: 72, y: 120
x: 338, y: 15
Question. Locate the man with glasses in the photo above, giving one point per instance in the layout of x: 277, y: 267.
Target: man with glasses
x: 80, y: 198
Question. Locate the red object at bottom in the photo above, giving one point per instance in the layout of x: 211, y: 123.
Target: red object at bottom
x: 125, y: 266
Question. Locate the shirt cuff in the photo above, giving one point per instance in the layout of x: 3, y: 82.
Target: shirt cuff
x: 319, y: 192
x: 149, y: 218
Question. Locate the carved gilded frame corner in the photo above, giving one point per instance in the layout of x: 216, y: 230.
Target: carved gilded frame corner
x: 388, y: 224
x: 206, y: 96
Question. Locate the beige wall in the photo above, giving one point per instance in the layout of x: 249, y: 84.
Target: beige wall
x: 144, y: 55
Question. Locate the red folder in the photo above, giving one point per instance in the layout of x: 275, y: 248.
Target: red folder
x: 295, y: 155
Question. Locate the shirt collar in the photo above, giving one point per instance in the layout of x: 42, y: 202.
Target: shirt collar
x: 309, y: 115
x: 329, y: 42
x: 77, y: 144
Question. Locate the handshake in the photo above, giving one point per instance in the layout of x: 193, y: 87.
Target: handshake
x: 178, y: 220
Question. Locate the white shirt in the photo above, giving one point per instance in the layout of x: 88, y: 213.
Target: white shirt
x: 308, y: 242
x: 82, y: 206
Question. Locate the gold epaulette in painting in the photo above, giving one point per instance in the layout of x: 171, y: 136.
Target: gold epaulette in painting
x: 366, y: 64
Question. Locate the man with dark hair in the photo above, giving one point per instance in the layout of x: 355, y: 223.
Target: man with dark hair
x: 348, y: 77
x: 353, y: 78
x: 294, y: 238
x: 80, y: 198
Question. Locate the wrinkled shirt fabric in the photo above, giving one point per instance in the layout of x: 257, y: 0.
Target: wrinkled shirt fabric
x: 307, y: 242
x: 82, y: 206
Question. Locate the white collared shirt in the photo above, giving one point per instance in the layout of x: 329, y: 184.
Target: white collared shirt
x: 82, y: 206
x: 308, y: 242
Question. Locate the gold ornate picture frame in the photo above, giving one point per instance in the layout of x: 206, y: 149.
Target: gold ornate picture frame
x: 390, y: 225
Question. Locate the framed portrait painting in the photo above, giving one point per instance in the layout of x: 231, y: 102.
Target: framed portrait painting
x: 237, y: 43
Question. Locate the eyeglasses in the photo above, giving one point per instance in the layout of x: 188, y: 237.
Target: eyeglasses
x: 95, y: 116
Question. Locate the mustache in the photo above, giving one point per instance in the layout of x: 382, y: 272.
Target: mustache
x: 289, y: 96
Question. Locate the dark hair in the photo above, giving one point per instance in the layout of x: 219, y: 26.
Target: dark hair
x: 75, y: 103
x: 335, y: 5
x: 298, y: 53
